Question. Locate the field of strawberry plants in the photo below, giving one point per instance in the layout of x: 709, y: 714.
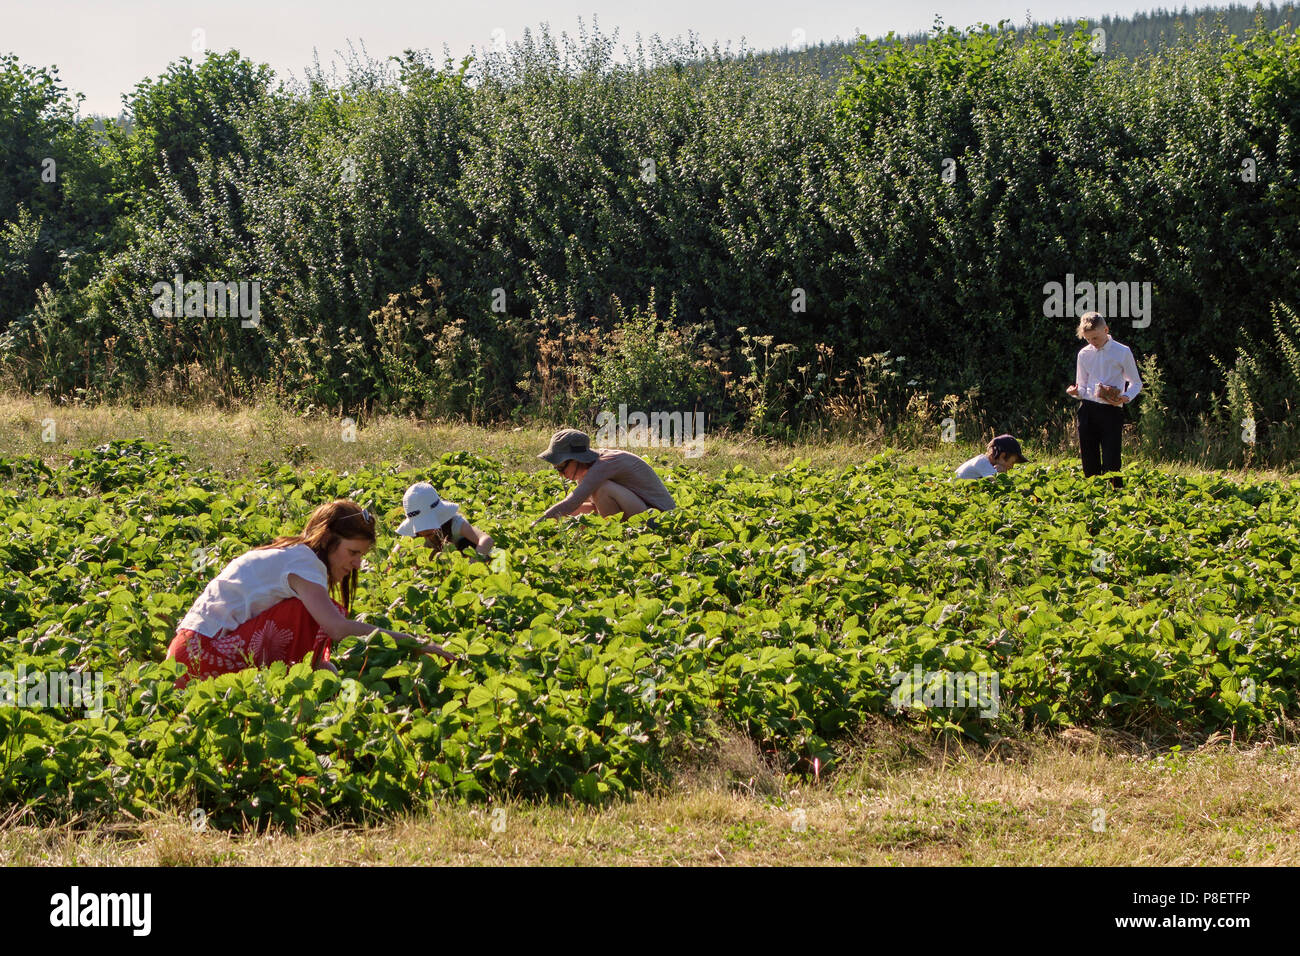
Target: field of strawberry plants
x: 598, y: 653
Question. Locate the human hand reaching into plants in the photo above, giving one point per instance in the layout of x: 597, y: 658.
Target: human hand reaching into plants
x: 426, y: 647
x: 440, y: 651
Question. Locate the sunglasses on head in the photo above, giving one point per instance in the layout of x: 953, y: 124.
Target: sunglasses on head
x: 365, y: 515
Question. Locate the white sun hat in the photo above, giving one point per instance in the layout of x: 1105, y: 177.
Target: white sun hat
x: 424, y: 509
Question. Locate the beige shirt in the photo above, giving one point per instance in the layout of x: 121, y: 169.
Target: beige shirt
x: 631, y: 471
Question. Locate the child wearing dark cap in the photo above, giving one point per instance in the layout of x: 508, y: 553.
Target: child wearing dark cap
x: 1003, y: 454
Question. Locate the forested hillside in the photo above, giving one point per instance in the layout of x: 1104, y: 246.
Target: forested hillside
x: 1128, y: 36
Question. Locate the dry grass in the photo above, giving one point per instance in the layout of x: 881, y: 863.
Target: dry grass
x: 230, y: 441
x: 900, y: 799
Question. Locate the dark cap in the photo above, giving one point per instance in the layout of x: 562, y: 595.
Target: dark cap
x: 569, y: 444
x: 1006, y: 445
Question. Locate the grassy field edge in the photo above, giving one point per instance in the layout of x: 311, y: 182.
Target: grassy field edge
x: 901, y: 799
x: 233, y: 441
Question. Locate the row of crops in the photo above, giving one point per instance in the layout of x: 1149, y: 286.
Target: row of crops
x: 598, y: 653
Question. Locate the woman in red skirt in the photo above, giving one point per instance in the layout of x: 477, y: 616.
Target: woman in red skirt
x: 274, y: 603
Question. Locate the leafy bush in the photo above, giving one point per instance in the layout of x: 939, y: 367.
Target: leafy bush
x: 1155, y: 419
x: 918, y: 208
x: 58, y: 201
x: 650, y: 363
x: 434, y: 365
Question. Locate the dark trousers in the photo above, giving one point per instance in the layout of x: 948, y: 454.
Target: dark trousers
x: 1101, y: 432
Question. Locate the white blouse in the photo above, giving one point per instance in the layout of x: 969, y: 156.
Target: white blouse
x: 249, y: 585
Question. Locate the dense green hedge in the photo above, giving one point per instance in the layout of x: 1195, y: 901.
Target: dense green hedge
x: 420, y: 189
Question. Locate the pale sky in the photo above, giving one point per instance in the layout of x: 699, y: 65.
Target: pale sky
x: 104, y: 47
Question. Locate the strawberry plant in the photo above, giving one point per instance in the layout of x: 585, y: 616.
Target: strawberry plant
x: 597, y: 652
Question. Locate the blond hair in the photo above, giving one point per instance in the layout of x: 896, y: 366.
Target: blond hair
x: 1090, y: 322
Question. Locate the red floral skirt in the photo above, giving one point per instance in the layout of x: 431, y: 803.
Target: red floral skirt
x: 283, y: 632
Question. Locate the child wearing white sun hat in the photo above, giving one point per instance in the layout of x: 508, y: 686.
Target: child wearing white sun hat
x: 439, y: 522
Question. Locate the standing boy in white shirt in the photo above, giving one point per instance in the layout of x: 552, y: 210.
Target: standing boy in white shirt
x: 1105, y: 380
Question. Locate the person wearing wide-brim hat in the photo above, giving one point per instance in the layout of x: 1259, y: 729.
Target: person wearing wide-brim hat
x: 609, y: 481
x: 439, y: 522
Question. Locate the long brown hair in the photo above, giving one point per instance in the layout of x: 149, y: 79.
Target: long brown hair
x: 327, y: 526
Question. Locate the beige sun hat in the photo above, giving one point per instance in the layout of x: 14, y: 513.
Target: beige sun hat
x: 569, y: 444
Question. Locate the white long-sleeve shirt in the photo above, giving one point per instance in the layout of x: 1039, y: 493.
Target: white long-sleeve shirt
x: 1112, y: 364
